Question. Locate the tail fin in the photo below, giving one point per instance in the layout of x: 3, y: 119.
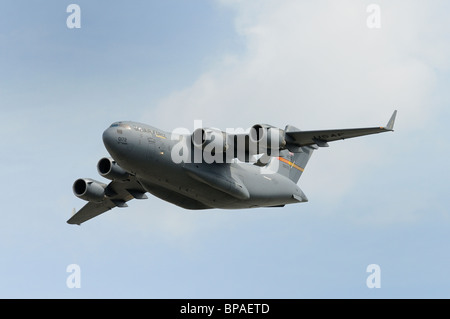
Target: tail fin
x: 291, y: 164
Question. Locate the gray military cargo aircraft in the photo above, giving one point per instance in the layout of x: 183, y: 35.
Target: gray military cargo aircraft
x: 206, y: 169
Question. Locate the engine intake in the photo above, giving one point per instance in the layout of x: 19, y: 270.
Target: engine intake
x: 209, y: 139
x: 89, y: 190
x: 109, y: 169
x: 267, y: 138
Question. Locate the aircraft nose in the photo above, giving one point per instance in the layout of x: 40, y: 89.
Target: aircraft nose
x: 118, y: 140
x: 109, y: 138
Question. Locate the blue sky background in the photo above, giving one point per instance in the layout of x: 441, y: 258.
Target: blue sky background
x: 376, y: 200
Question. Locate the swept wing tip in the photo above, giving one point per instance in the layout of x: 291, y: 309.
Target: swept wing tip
x: 71, y: 222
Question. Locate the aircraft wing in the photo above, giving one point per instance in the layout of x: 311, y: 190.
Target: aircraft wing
x: 117, y: 194
x: 321, y: 137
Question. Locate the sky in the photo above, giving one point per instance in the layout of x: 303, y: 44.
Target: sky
x: 376, y: 200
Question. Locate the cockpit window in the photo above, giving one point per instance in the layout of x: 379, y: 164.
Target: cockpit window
x: 122, y: 125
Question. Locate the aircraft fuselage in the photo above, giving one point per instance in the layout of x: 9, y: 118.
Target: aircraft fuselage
x: 146, y: 152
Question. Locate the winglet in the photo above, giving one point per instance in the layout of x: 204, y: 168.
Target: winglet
x: 390, y: 124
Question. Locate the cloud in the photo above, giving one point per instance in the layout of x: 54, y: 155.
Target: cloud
x: 318, y: 65
x: 315, y: 64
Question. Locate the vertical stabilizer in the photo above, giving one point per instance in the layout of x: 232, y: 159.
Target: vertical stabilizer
x: 291, y: 164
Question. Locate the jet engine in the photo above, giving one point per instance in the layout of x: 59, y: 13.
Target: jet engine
x: 89, y: 189
x: 210, y: 139
x: 109, y: 169
x: 267, y: 137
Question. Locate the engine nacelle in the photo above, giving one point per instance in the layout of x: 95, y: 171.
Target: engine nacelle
x: 209, y: 139
x: 267, y: 137
x: 89, y: 189
x: 109, y: 169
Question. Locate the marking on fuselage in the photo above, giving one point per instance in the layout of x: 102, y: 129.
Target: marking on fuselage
x: 160, y: 136
x: 291, y: 164
x: 122, y: 140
